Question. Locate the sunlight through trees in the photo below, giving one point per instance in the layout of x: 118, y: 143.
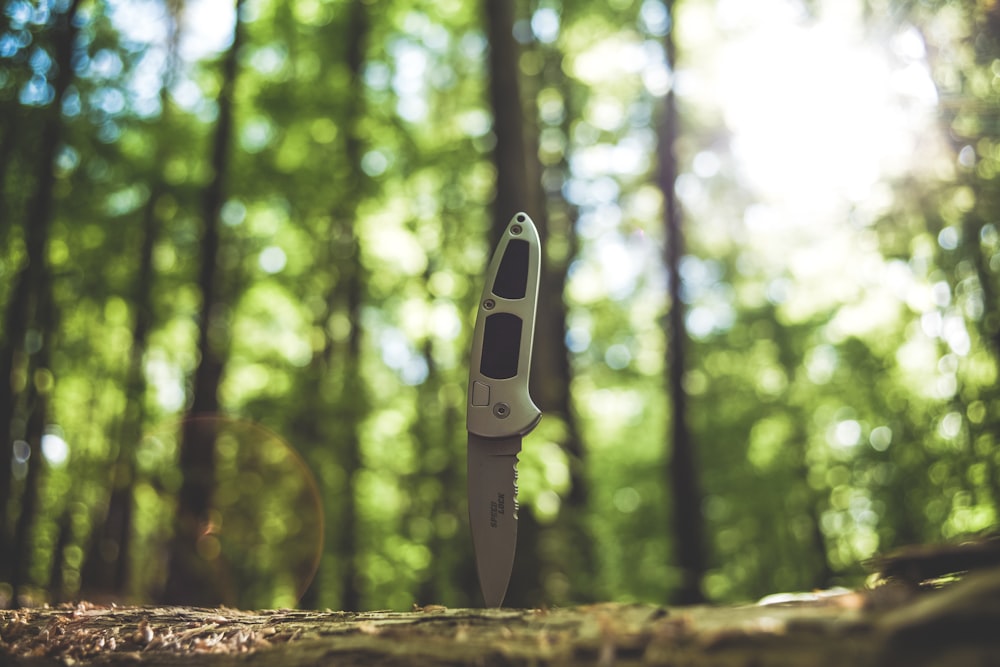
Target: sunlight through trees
x: 241, y: 246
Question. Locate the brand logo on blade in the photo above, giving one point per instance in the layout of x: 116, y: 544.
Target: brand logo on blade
x: 496, y: 509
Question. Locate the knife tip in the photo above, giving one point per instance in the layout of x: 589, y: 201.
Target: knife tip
x: 493, y: 596
x: 494, y: 602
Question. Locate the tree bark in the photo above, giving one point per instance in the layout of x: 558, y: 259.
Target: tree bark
x: 441, y: 426
x: 106, y: 566
x: 334, y: 382
x: 190, y: 577
x: 33, y: 277
x: 354, y: 396
x: 12, y: 116
x: 685, y: 490
x: 552, y: 375
x: 36, y: 407
x: 514, y: 192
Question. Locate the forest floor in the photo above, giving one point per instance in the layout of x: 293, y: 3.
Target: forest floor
x: 957, y: 624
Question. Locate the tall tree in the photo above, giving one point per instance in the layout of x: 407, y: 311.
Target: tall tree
x: 335, y: 400
x: 190, y: 576
x: 351, y: 293
x: 688, y: 523
x: 552, y: 373
x: 106, y: 565
x: 513, y: 192
x: 513, y: 189
x: 36, y: 406
x: 29, y: 302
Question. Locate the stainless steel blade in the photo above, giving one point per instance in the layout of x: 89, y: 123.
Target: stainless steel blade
x: 493, y: 511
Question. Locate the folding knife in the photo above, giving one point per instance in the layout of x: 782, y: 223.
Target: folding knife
x: 500, y: 411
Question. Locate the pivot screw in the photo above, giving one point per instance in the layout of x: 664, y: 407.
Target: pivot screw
x: 515, y: 229
x: 489, y: 304
x: 501, y: 410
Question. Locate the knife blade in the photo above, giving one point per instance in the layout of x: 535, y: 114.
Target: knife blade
x: 499, y: 409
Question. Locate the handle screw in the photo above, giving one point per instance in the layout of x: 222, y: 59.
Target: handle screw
x: 501, y: 410
x: 489, y: 304
x: 515, y: 230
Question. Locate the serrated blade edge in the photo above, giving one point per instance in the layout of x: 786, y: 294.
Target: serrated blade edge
x: 492, y: 485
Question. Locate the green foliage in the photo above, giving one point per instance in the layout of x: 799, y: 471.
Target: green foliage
x: 841, y: 381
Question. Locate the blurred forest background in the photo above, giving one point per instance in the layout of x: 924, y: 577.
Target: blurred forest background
x: 240, y: 259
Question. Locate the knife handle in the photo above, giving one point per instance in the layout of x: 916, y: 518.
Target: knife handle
x: 498, y: 402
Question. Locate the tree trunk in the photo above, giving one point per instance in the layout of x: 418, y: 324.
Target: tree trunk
x: 190, y: 577
x: 32, y: 279
x: 12, y: 116
x: 106, y: 567
x: 345, y: 402
x: 513, y: 193
x: 688, y: 523
x: 440, y: 426
x: 36, y: 407
x: 354, y: 396
x: 552, y: 375
x: 334, y: 382
x: 12, y: 381
x: 64, y: 537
